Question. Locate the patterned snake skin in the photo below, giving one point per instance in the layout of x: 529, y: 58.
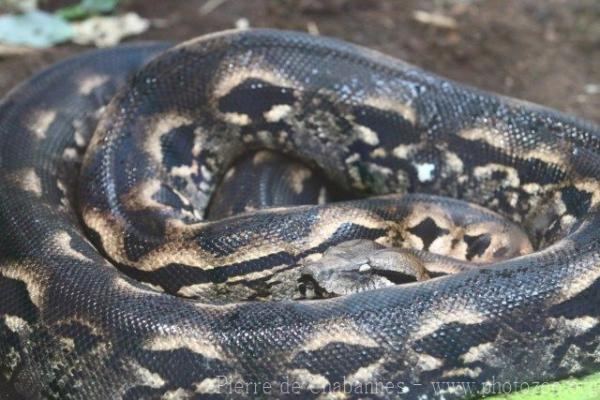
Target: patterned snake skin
x: 108, y: 256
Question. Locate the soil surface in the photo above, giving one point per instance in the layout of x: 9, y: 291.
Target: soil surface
x: 545, y: 51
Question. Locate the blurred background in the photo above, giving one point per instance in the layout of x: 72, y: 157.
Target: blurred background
x: 546, y: 51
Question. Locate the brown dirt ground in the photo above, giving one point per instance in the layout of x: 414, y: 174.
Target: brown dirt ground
x: 546, y: 51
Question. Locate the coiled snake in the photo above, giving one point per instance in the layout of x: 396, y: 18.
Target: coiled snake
x: 109, y: 260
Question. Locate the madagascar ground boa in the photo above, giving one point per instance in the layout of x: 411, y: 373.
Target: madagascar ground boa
x: 108, y: 265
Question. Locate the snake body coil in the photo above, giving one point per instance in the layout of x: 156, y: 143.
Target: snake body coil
x: 107, y: 166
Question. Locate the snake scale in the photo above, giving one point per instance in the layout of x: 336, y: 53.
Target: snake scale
x: 108, y: 162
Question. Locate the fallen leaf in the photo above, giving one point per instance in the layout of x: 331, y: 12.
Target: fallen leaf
x: 437, y: 20
x: 34, y: 29
x: 108, y: 31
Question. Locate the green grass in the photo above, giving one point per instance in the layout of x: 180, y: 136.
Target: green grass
x: 587, y: 388
x: 87, y: 8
